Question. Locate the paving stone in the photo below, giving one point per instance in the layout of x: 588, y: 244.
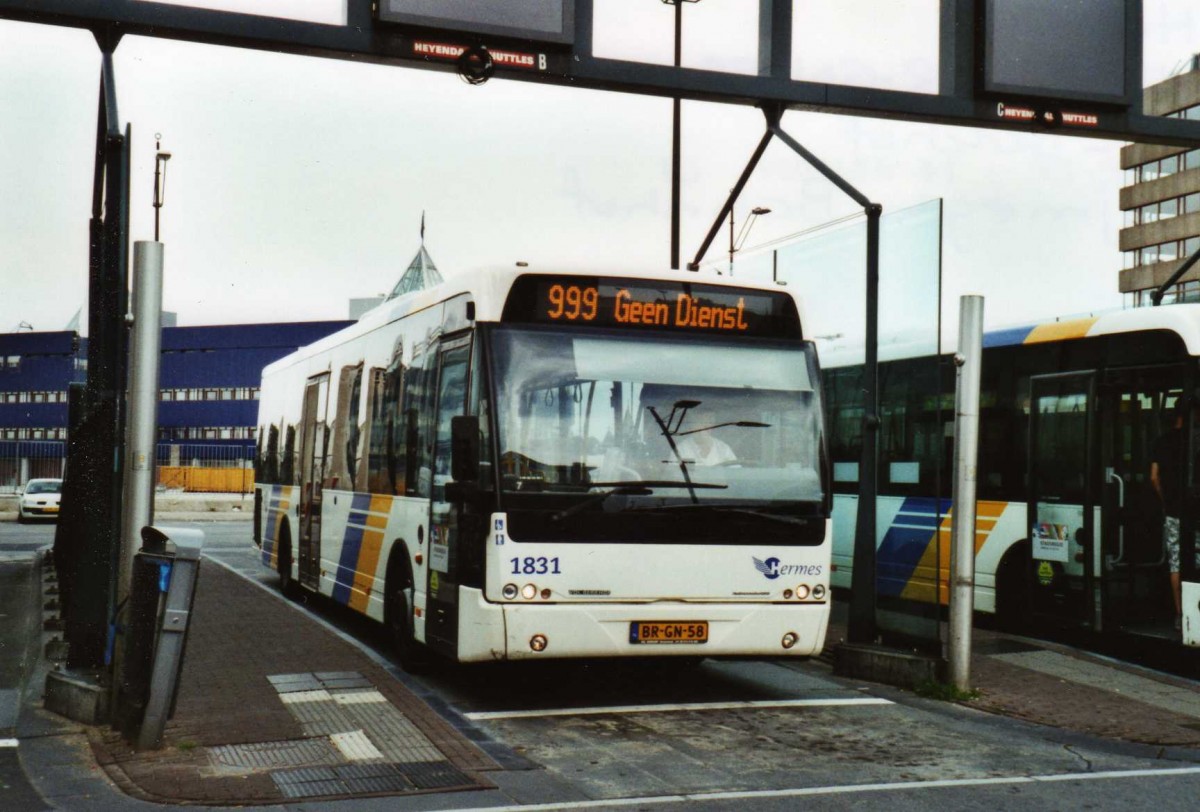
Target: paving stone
x: 297, y: 686
x: 390, y: 783
x: 435, y: 775
x: 335, y: 675
x: 309, y: 789
x: 255, y: 684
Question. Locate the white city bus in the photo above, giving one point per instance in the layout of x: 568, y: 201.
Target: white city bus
x: 1069, y: 524
x: 516, y: 465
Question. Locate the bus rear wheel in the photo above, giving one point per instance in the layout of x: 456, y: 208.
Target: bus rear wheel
x: 398, y: 608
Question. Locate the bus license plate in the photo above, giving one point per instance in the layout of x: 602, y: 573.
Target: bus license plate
x: 668, y: 631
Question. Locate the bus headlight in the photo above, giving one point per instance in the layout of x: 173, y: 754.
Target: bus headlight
x: 789, y: 640
x: 538, y: 642
x: 818, y: 592
x: 509, y: 592
x: 529, y: 592
x: 802, y: 592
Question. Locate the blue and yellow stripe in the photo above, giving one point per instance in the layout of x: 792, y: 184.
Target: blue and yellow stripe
x: 914, y: 558
x: 1040, y: 333
x: 279, y: 501
x: 362, y: 545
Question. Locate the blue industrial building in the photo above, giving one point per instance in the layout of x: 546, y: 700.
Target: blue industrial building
x: 208, y: 391
x: 35, y: 369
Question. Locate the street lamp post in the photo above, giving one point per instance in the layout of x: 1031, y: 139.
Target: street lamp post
x: 735, y: 244
x: 675, y: 134
x: 160, y: 180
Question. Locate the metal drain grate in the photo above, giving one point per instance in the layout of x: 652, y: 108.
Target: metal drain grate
x: 271, y: 755
x: 344, y: 780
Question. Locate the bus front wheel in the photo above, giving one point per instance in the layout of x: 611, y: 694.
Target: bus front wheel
x: 413, y: 657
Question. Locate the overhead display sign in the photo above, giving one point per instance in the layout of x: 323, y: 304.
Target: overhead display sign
x: 1066, y: 66
x: 1057, y: 50
x: 536, y: 20
x: 638, y: 304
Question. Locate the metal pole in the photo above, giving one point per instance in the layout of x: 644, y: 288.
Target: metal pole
x: 861, y: 627
x: 142, y: 428
x: 727, y: 209
x: 731, y: 248
x: 675, y: 138
x: 966, y: 448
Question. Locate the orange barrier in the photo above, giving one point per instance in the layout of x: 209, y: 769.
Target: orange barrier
x: 207, y: 480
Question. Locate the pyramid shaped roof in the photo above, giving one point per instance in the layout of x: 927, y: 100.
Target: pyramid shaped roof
x: 421, y: 274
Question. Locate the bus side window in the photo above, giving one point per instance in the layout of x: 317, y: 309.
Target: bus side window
x: 418, y: 403
x: 480, y: 406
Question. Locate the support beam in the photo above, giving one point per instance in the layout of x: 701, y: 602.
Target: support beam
x: 694, y: 265
x: 862, y: 627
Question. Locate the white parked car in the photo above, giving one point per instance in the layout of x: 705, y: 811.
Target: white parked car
x: 39, y: 500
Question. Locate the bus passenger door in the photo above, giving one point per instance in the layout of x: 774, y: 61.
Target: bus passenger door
x: 1137, y: 406
x: 1062, y: 515
x: 441, y: 614
x: 313, y: 452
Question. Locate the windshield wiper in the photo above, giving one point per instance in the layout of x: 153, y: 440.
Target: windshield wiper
x: 681, y: 407
x: 633, y: 487
x: 775, y: 517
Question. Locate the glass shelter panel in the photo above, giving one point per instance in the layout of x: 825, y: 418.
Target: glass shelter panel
x: 916, y: 399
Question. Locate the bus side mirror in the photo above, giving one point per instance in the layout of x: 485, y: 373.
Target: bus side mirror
x: 464, y: 448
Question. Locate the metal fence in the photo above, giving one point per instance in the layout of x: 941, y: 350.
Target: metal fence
x: 208, y: 468
x: 23, y: 460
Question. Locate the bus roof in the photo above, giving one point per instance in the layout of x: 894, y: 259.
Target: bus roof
x: 1181, y: 319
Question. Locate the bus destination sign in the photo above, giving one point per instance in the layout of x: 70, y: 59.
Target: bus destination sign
x: 656, y: 305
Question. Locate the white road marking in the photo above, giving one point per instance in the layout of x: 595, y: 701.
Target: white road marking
x: 845, y: 789
x: 8, y: 742
x: 685, y: 706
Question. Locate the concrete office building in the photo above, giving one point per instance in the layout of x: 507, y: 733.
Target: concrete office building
x: 1160, y: 199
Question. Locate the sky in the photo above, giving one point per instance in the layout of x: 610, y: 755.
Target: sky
x: 296, y: 184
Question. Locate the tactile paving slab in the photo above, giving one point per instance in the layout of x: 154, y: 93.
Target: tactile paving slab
x: 347, y: 720
x: 329, y: 710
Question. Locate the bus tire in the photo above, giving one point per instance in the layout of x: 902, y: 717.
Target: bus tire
x: 398, y: 611
x: 1013, y: 590
x: 283, y: 563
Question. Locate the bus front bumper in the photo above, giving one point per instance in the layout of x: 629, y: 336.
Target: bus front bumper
x: 490, y: 631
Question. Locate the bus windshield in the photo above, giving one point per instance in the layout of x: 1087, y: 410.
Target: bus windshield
x: 607, y: 436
